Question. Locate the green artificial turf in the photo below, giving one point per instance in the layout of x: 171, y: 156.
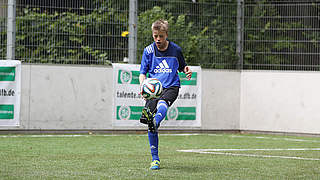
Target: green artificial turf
x: 128, y: 157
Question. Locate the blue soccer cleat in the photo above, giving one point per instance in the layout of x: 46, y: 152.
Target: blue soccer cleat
x: 155, y: 165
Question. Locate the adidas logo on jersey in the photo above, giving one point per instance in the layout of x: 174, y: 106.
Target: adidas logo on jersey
x: 163, y: 68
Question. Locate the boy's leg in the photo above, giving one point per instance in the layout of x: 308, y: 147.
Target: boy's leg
x: 148, y: 111
x: 162, y: 108
x: 149, y: 116
x: 154, y: 119
x: 166, y: 100
x: 154, y: 142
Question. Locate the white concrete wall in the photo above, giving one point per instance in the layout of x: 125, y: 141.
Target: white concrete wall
x: 220, y: 99
x: 66, y: 97
x: 280, y: 101
x: 80, y: 98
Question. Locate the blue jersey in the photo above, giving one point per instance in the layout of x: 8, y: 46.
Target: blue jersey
x: 163, y: 65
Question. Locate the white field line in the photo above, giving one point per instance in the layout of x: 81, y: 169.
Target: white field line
x: 220, y: 152
x: 286, y: 139
x: 278, y: 149
x: 265, y: 156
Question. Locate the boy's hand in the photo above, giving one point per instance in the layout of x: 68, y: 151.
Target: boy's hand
x: 188, y: 72
x: 142, y: 77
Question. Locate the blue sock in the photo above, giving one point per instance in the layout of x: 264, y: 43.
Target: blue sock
x: 162, y: 108
x: 154, y: 141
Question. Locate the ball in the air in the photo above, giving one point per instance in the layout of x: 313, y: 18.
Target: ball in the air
x: 151, y: 88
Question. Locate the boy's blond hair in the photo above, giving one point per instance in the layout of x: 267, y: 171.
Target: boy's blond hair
x: 160, y: 25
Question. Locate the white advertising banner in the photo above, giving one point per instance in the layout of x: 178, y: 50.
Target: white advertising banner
x: 128, y: 104
x: 10, y: 91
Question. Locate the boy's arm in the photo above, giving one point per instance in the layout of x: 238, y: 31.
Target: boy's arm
x: 142, y: 77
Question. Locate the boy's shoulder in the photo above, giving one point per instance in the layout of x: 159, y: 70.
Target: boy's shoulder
x: 149, y: 49
x: 175, y: 46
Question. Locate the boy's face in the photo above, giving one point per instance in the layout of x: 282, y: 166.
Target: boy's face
x: 160, y: 37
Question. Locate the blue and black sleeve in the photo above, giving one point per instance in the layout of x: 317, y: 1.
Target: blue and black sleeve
x: 182, y: 62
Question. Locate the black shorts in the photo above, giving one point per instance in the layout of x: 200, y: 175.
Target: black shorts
x: 169, y: 95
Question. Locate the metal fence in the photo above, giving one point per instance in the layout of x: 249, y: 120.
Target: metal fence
x: 3, y: 29
x: 224, y: 34
x: 71, y: 32
x: 282, y: 35
x: 206, y: 31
